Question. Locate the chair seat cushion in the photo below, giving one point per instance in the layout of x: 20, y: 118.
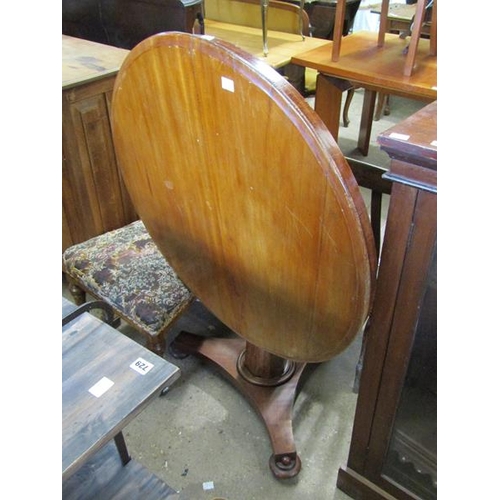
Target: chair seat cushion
x: 125, y: 269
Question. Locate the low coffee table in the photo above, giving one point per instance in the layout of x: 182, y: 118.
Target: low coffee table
x: 107, y: 380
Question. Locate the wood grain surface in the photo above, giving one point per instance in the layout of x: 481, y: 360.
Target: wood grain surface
x: 282, y: 45
x: 380, y: 69
x: 91, y: 351
x: 84, y: 61
x: 104, y: 477
x: 246, y: 194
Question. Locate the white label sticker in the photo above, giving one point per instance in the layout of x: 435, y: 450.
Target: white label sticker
x: 227, y: 83
x: 141, y: 366
x: 101, y: 387
x: 208, y: 485
x: 401, y: 137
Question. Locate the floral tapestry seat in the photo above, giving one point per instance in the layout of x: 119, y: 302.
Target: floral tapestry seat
x: 125, y: 269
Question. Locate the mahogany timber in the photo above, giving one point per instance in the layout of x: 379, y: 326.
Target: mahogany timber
x: 245, y: 193
x: 373, y: 67
x: 410, y: 245
x: 376, y: 69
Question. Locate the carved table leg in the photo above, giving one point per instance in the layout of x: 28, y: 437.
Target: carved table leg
x: 268, y: 382
x: 345, y: 114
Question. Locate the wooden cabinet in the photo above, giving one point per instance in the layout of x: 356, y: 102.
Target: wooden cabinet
x: 94, y: 198
x: 393, y: 446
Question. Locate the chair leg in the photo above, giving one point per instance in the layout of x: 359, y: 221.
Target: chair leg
x: 382, y: 106
x: 156, y: 344
x: 433, y: 42
x: 76, y: 292
x: 348, y: 100
x: 415, y: 37
x: 387, y: 107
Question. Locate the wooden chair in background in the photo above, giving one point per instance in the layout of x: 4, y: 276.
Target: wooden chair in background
x: 322, y: 16
x: 415, y: 34
x: 430, y: 7
x: 250, y: 200
x: 281, y: 16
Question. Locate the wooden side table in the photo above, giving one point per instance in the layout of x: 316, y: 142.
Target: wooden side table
x: 107, y: 380
x: 393, y: 446
x: 377, y: 71
x: 94, y: 198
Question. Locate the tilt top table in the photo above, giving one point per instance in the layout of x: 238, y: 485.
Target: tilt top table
x: 255, y: 208
x: 376, y: 69
x: 107, y: 379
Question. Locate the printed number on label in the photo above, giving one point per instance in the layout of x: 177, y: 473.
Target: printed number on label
x: 141, y: 366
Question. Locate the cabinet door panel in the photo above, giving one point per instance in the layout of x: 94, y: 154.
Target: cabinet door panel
x: 94, y: 197
x: 402, y: 446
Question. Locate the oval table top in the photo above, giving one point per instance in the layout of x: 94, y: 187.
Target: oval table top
x: 246, y: 194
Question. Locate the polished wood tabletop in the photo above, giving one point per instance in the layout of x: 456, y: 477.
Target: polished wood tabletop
x: 379, y: 68
x: 107, y: 380
x: 282, y: 46
x: 376, y: 69
x: 101, y: 60
x: 414, y: 139
x: 246, y: 194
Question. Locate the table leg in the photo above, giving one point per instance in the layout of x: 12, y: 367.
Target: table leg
x: 328, y: 101
x: 273, y: 398
x: 122, y: 448
x: 365, y: 127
